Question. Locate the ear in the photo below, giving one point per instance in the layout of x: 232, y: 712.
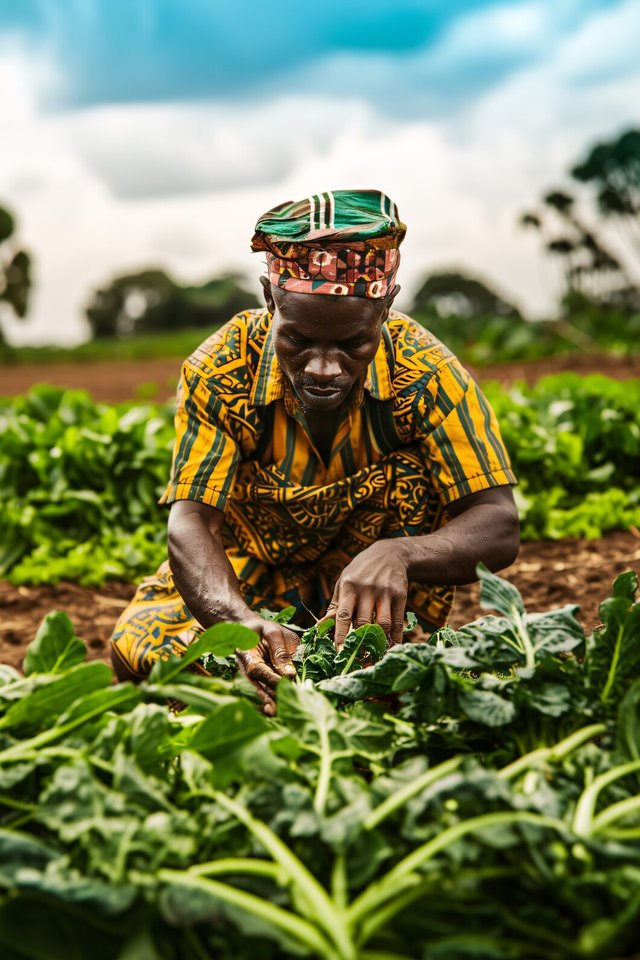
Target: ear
x: 388, y: 302
x: 392, y: 295
x: 268, y: 294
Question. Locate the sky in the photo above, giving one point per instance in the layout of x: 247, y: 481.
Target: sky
x: 138, y: 133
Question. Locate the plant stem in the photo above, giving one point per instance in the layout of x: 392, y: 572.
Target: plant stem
x: 339, y: 886
x: 317, y: 902
x: 400, y: 797
x: 395, y: 882
x: 6, y: 801
x: 18, y: 750
x: 583, y: 819
x: 523, y: 635
x: 613, y: 666
x: 324, y: 775
x: 301, y: 931
x: 246, y: 865
x: 552, y: 754
x: 615, y: 812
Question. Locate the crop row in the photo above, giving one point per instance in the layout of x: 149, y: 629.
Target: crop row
x: 79, y: 480
x: 471, y: 797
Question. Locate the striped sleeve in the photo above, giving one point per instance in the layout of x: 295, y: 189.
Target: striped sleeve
x: 461, y: 437
x: 205, y: 455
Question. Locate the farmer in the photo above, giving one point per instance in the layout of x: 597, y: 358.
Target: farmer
x: 330, y: 454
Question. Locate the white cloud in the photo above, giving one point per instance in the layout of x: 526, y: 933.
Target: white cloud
x: 161, y: 149
x: 460, y: 180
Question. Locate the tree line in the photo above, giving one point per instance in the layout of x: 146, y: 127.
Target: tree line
x: 595, y: 239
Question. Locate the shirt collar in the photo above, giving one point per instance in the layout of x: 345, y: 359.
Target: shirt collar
x: 269, y: 382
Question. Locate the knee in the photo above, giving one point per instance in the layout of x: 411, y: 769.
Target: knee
x: 121, y: 668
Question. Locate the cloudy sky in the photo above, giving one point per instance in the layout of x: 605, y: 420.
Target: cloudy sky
x: 155, y: 132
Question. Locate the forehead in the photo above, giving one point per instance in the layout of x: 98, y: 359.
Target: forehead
x: 333, y: 317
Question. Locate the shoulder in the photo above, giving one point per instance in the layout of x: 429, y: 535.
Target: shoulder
x: 229, y: 356
x: 425, y: 374
x: 414, y: 347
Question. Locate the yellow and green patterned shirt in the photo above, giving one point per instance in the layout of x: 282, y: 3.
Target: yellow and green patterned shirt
x: 418, y: 435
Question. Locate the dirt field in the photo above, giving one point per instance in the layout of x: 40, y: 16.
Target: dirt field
x: 111, y: 382
x: 548, y: 574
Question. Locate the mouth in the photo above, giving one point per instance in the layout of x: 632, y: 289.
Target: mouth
x: 324, y: 396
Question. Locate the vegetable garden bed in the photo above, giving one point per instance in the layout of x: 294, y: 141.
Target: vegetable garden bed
x: 472, y: 797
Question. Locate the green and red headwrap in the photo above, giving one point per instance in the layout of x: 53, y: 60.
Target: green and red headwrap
x: 342, y: 242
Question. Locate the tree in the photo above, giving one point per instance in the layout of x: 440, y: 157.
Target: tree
x: 152, y: 302
x: 455, y: 294
x: 613, y: 168
x: 15, y: 268
x: 592, y: 272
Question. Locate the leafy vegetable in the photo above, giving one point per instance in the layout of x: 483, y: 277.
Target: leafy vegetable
x: 484, y: 803
x: 79, y: 481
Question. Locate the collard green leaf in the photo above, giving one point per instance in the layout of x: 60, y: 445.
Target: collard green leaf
x: 33, y: 930
x: 278, y: 616
x: 403, y: 667
x: 628, y: 725
x: 19, y: 851
x: 230, y: 728
x: 45, y: 704
x: 487, y: 707
x: 368, y: 641
x: 555, y: 631
x: 221, y: 640
x: 626, y: 585
x: 498, y: 594
x: 124, y: 696
x: 55, y: 647
x: 613, y: 650
x: 551, y: 699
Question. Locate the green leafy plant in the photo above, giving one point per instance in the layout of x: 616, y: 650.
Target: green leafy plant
x: 474, y: 796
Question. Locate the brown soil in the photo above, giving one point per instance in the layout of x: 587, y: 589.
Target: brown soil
x: 621, y: 368
x: 111, y: 382
x: 107, y: 381
x: 548, y: 574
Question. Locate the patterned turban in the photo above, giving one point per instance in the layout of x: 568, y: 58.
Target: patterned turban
x: 342, y: 242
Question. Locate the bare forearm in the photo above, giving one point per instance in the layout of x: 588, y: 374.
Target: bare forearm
x: 202, y: 571
x: 451, y: 554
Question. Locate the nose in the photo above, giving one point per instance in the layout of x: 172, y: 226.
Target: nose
x: 323, y: 368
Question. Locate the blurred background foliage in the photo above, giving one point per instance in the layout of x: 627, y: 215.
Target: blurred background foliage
x: 591, y: 229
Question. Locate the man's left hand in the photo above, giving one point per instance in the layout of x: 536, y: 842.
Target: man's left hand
x: 372, y: 589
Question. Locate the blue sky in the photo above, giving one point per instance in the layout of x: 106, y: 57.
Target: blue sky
x: 143, y: 125
x: 155, y: 50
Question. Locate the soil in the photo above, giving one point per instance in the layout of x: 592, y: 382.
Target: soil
x: 111, y: 382
x: 547, y: 573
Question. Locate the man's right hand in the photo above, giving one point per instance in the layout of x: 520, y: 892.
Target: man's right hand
x: 265, y: 664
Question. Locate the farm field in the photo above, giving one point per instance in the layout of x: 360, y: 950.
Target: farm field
x: 548, y: 571
x: 548, y: 574
x: 476, y: 795
x: 113, y: 382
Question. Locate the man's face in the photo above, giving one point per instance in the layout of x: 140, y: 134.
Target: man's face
x: 324, y: 344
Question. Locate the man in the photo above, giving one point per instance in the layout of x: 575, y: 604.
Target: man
x: 330, y: 453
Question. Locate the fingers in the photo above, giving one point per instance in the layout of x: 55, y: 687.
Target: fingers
x: 253, y: 664
x: 390, y: 616
x: 268, y: 705
x: 280, y: 644
x: 344, y: 614
x: 350, y: 611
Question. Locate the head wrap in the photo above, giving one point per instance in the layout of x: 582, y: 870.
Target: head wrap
x: 342, y: 242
